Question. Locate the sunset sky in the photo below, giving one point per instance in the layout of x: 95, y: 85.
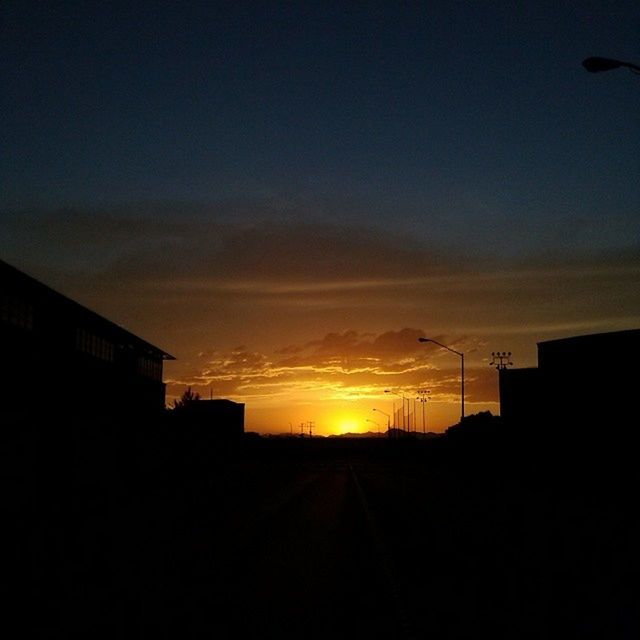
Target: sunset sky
x: 286, y: 196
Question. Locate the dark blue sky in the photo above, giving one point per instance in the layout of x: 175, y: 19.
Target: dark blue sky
x: 456, y: 121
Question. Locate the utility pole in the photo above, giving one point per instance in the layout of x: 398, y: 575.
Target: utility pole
x: 311, y: 426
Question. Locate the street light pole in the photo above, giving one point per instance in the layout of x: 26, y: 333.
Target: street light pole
x: 374, y: 422
x: 395, y: 393
x: 458, y: 353
x: 388, y: 420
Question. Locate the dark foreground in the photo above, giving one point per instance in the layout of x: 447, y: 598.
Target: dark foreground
x: 455, y: 538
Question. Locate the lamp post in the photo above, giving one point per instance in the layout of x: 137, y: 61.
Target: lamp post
x: 597, y: 64
x: 374, y: 422
x: 388, y: 420
x: 458, y: 353
x: 395, y: 393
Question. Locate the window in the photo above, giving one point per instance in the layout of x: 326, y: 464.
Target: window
x: 16, y: 312
x: 94, y: 345
x: 150, y: 368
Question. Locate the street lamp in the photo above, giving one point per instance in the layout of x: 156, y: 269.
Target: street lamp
x: 388, y: 420
x: 596, y: 64
x: 374, y: 422
x: 395, y: 393
x: 458, y: 353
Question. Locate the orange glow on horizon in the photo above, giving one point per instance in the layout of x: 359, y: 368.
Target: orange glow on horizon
x: 334, y: 383
x: 286, y: 412
x: 346, y: 424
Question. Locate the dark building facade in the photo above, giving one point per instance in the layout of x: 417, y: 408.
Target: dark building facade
x: 59, y: 354
x: 519, y: 393
x: 586, y: 383
x: 592, y: 379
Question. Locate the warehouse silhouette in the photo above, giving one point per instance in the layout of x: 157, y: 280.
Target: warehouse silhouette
x: 579, y: 384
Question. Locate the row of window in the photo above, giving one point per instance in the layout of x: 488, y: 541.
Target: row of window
x: 98, y: 347
x: 94, y: 345
x: 16, y: 312
x: 150, y: 368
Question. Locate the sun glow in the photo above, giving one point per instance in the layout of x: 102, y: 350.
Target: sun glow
x: 347, y: 425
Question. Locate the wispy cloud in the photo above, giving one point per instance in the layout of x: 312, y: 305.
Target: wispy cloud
x: 346, y: 365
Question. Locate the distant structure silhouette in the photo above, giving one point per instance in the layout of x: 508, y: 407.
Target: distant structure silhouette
x: 212, y: 419
x: 574, y: 385
x: 71, y: 358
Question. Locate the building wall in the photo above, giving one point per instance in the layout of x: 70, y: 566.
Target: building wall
x: 519, y: 394
x: 590, y: 382
x: 58, y: 354
x: 584, y: 385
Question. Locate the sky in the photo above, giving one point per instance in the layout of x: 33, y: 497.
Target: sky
x: 286, y: 196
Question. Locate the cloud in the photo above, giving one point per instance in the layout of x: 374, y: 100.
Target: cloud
x: 339, y: 365
x: 195, y: 253
x: 189, y: 280
x: 174, y: 246
x: 208, y: 273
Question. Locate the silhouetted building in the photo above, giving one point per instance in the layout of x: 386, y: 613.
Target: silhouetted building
x: 213, y: 419
x: 583, y: 382
x: 519, y: 393
x: 592, y: 379
x: 59, y: 354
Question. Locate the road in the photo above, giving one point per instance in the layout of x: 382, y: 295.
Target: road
x: 255, y: 551
x: 307, y: 567
x: 340, y: 545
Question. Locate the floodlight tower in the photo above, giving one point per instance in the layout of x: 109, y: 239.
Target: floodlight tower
x: 501, y: 360
x: 423, y: 397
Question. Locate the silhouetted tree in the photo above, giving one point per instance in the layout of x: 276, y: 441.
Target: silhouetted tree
x: 187, y: 398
